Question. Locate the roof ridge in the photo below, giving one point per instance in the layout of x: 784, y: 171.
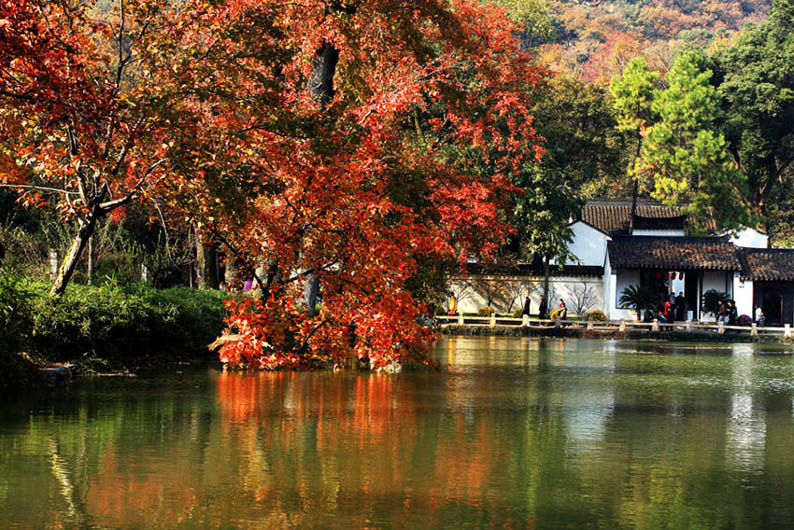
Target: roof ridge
x: 625, y: 201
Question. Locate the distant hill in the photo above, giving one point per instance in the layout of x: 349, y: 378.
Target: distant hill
x: 594, y: 39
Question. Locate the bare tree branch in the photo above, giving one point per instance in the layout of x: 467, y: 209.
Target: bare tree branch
x: 36, y: 188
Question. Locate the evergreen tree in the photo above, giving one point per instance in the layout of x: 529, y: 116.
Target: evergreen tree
x: 685, y: 152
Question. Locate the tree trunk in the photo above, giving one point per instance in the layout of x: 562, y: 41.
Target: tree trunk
x: 321, y: 80
x: 206, y: 271
x: 636, y: 186
x: 66, y: 270
x: 321, y: 87
x: 90, y: 271
x: 230, y: 272
x: 546, y: 284
x: 312, y: 293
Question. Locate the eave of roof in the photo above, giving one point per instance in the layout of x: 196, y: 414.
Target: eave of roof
x: 673, y: 253
x: 613, y: 215
x: 535, y: 269
x: 588, y: 224
x: 767, y: 264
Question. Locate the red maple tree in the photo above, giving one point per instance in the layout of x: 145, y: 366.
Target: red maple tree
x: 80, y: 118
x: 346, y: 150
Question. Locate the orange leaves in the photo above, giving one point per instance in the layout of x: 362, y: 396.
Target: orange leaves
x: 399, y: 173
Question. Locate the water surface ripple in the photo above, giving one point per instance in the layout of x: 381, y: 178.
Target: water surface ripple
x: 511, y: 433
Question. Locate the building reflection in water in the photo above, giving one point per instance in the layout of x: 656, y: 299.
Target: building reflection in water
x: 746, y: 429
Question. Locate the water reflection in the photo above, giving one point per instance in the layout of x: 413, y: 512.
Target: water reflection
x: 510, y: 433
x: 746, y: 430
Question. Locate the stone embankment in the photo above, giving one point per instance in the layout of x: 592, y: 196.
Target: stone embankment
x: 630, y: 334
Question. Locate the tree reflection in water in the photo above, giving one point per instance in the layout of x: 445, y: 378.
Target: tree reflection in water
x: 512, y: 433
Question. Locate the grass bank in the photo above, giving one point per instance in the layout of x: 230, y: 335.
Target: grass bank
x: 110, y: 327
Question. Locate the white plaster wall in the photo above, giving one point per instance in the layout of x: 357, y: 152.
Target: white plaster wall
x: 743, y: 295
x: 658, y: 233
x: 719, y: 280
x: 472, y: 292
x: 609, y: 282
x: 588, y: 244
x: 625, y: 278
x: 750, y: 238
x: 565, y: 287
x: 472, y: 295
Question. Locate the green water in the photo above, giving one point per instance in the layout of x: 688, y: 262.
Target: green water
x: 512, y: 433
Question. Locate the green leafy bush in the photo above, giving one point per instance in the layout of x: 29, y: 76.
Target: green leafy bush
x: 14, y: 313
x: 114, y: 322
x: 486, y: 311
x: 710, y: 301
x: 15, y: 371
x: 638, y: 298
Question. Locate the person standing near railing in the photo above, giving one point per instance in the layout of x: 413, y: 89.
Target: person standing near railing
x: 760, y: 318
x: 680, y: 307
x: 543, y: 309
x: 669, y: 309
x: 562, y: 311
x: 733, y: 313
x: 722, y: 312
x: 452, y: 304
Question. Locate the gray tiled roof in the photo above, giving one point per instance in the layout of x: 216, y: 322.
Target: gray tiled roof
x: 767, y: 264
x: 612, y: 215
x: 673, y: 253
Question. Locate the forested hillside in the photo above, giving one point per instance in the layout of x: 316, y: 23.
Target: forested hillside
x: 595, y: 39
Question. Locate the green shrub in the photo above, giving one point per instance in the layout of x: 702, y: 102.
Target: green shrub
x: 710, y: 301
x: 596, y: 315
x: 14, y: 313
x: 638, y: 298
x: 115, y: 322
x: 518, y: 313
x: 486, y: 311
x: 15, y: 322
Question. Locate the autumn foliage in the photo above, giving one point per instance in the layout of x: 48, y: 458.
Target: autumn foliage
x: 343, y: 152
x: 367, y: 142
x: 81, y: 121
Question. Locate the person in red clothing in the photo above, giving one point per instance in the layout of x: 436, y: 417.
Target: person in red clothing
x: 669, y: 309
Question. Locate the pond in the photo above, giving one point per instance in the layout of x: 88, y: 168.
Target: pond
x: 511, y: 433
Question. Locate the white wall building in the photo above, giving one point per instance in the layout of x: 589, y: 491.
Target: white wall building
x: 656, y: 254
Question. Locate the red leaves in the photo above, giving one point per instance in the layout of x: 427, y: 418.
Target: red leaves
x: 402, y: 171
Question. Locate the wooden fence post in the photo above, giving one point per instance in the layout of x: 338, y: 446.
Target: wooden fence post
x: 689, y: 325
x: 622, y: 326
x: 493, y: 319
x: 460, y: 319
x: 655, y: 325
x: 721, y: 327
x: 754, y: 330
x: 589, y: 324
x: 557, y: 321
x: 787, y: 330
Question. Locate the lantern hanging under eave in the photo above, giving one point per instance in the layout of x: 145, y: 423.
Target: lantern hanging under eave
x: 681, y: 275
